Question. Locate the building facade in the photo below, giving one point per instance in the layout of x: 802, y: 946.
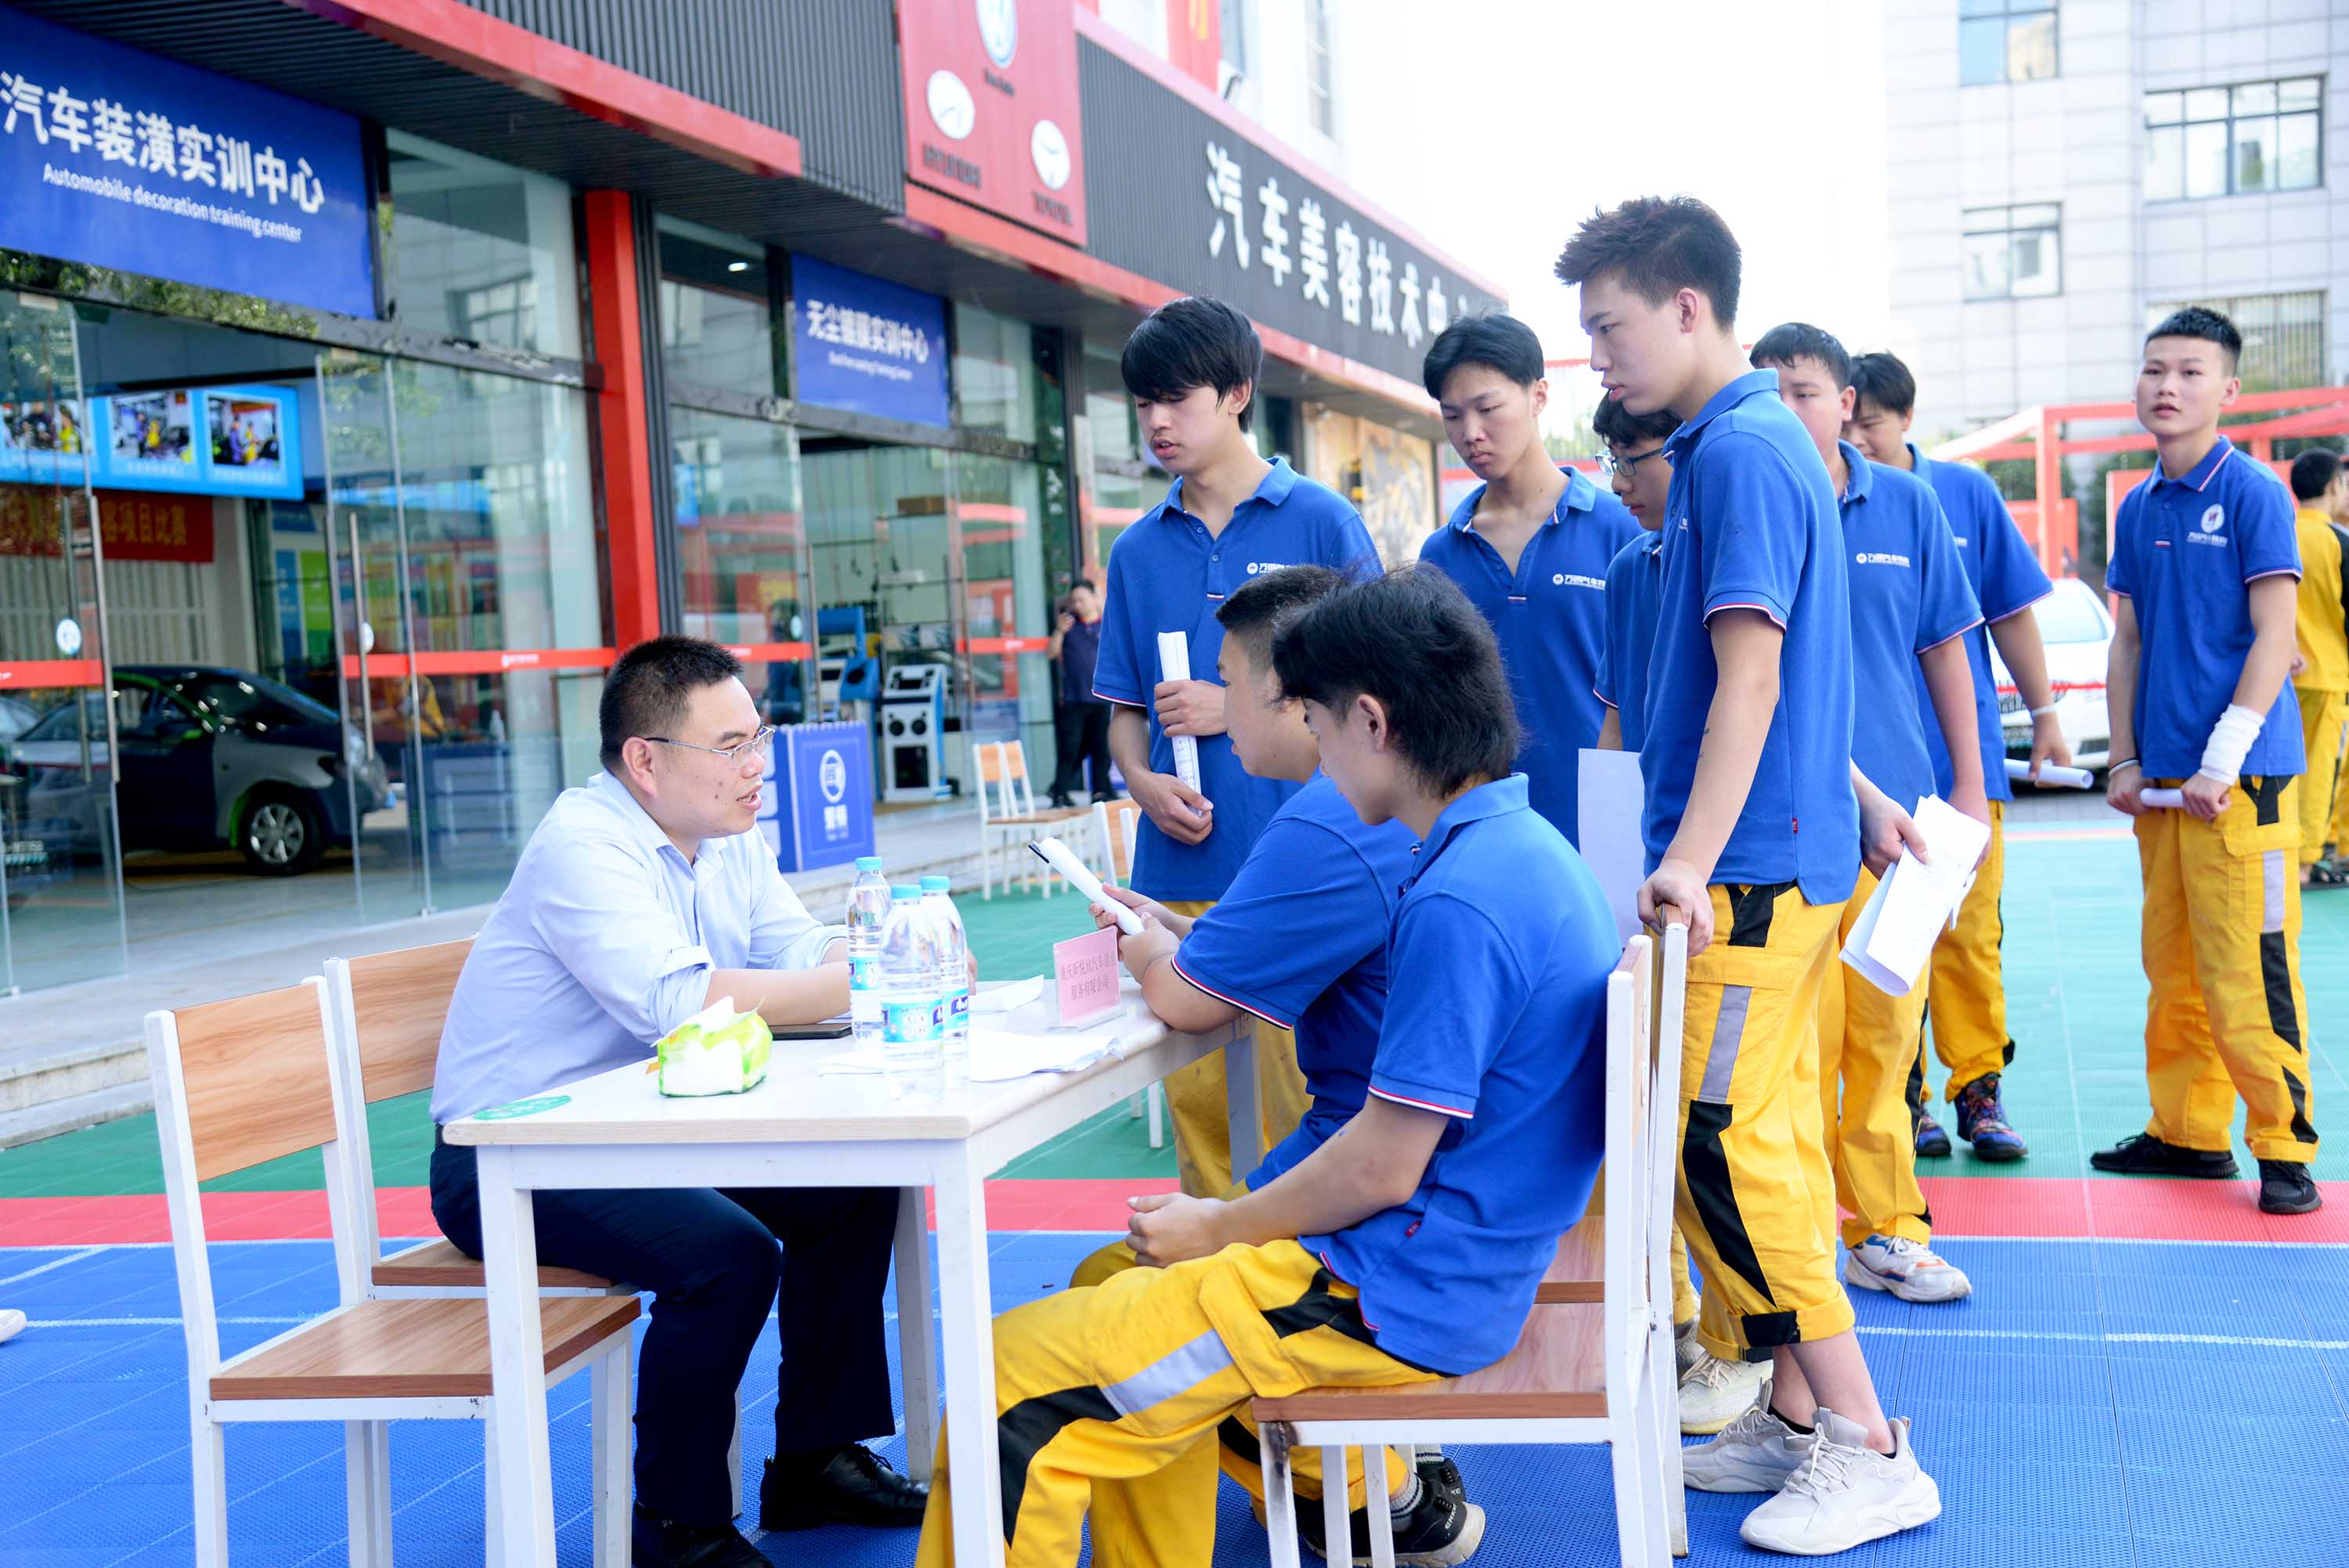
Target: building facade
x: 374, y: 371
x: 2064, y: 173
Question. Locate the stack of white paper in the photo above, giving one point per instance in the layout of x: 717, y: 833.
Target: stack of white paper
x: 998, y: 1054
x: 1895, y: 933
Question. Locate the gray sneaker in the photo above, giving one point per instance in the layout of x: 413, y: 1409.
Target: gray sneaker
x: 1755, y: 1452
x: 1845, y: 1493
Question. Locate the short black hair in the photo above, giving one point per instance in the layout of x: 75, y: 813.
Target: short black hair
x: 1414, y: 641
x: 1085, y: 582
x: 1659, y: 245
x: 2198, y: 321
x: 1487, y: 337
x: 1883, y: 380
x: 2313, y: 471
x: 1187, y: 344
x: 1619, y: 427
x: 647, y: 690
x: 1258, y: 607
x: 1800, y: 340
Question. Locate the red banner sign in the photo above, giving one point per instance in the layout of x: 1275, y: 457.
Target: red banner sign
x: 134, y: 525
x: 991, y: 108
x: 42, y: 674
x: 480, y: 662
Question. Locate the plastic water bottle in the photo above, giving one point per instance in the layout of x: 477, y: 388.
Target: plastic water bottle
x: 954, y: 970
x: 868, y: 912
x: 913, y: 1006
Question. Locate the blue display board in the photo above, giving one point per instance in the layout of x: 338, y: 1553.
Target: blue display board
x: 827, y: 811
x: 867, y: 346
x: 114, y: 157
x: 213, y: 440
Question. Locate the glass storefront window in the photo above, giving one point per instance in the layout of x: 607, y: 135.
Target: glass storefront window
x: 1109, y: 412
x: 994, y: 374
x: 1118, y: 501
x: 718, y: 322
x: 1007, y: 614
x: 742, y: 552
x: 482, y: 250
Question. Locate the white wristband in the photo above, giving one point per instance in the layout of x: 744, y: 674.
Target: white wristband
x: 2038, y: 712
x: 2230, y: 743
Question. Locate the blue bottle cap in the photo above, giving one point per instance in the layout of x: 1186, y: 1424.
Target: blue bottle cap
x: 909, y: 895
x: 868, y: 862
x: 935, y: 884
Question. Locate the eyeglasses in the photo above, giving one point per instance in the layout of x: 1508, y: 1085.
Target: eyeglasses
x: 1610, y: 465
x: 759, y: 745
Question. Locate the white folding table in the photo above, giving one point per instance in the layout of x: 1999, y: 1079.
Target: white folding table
x: 804, y: 1128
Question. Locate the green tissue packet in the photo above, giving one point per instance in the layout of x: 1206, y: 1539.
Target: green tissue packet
x: 716, y: 1051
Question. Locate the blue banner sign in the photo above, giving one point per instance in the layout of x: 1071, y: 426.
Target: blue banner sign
x: 868, y: 347
x: 117, y: 158
x: 828, y: 814
x: 215, y: 440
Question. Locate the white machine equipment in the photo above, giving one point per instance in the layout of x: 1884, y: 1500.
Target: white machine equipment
x: 912, y: 732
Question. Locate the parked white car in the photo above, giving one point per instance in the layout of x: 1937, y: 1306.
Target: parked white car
x: 2078, y: 632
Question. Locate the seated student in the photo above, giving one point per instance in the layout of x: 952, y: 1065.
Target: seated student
x: 1299, y: 941
x: 1911, y: 607
x: 645, y: 895
x: 2204, y: 564
x: 1529, y: 546
x: 2321, y: 680
x: 1478, y: 1141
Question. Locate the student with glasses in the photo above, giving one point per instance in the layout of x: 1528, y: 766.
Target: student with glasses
x: 645, y: 895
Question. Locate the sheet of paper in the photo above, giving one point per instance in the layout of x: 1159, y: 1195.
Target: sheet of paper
x: 2019, y: 770
x: 1894, y: 934
x: 2162, y: 800
x: 1085, y: 974
x: 1175, y: 664
x: 1611, y: 798
x: 1008, y: 995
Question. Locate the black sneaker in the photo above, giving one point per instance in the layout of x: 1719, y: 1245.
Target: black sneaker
x: 1059, y: 801
x: 1437, y: 1470
x: 2143, y: 1154
x: 1933, y: 1141
x: 1981, y: 1122
x: 657, y: 1542
x: 1441, y: 1529
x: 856, y: 1485
x: 2286, y: 1188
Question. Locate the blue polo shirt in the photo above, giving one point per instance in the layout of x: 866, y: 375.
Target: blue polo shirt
x: 1548, y: 618
x: 1300, y: 939
x: 1908, y: 594
x: 1751, y: 523
x: 1167, y: 574
x: 2184, y: 551
x: 1635, y: 585
x: 1513, y: 1053
x: 2007, y: 579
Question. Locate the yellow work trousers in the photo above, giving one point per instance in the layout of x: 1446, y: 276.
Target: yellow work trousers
x: 2322, y: 715
x: 1237, y: 1451
x: 1196, y: 1104
x: 1757, y: 1198
x: 2338, y: 834
x: 1097, y: 1389
x: 1967, y: 995
x: 1868, y: 1043
x: 2226, y: 1016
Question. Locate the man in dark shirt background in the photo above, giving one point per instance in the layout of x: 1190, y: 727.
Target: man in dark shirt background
x: 1079, y: 720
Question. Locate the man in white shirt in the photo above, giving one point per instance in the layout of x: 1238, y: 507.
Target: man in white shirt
x: 645, y: 895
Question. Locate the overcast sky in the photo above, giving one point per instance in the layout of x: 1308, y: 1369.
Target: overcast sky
x: 1512, y: 124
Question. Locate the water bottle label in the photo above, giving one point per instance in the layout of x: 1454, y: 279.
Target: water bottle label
x: 864, y: 974
x: 961, y: 1014
x: 910, y: 1022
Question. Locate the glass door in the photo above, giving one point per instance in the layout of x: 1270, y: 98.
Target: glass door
x: 61, y: 915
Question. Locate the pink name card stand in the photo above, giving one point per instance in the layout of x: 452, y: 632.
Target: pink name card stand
x: 1085, y: 974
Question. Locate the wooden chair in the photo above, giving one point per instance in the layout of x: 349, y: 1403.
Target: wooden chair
x: 1594, y: 1364
x: 1007, y: 817
x: 254, y: 1079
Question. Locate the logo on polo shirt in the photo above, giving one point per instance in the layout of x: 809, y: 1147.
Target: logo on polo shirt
x: 1255, y: 567
x: 1879, y: 558
x: 1561, y: 579
x: 2208, y: 530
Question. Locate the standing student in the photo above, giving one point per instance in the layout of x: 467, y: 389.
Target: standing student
x: 1080, y: 722
x: 1753, y: 824
x: 1529, y: 546
x: 1410, y: 1246
x: 1191, y: 368
x: 1910, y: 608
x: 2205, y: 569
x: 2321, y: 680
x: 1299, y: 943
x: 1967, y: 998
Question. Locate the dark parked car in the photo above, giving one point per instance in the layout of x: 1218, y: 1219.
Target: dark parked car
x: 211, y: 757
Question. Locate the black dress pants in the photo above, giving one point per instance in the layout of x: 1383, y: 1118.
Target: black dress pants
x: 1082, y: 730
x: 710, y: 1259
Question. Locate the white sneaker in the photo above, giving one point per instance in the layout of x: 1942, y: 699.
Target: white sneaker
x: 1909, y: 1270
x: 1845, y: 1493
x: 1714, y: 1392
x: 1755, y: 1452
x: 12, y: 1323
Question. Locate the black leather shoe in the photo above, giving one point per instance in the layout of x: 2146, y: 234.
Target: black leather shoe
x: 2285, y: 1188
x: 856, y: 1485
x: 2146, y: 1155
x: 657, y: 1542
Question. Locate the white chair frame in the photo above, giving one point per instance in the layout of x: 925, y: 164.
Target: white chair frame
x: 1151, y: 1103
x: 1641, y: 1424
x: 1007, y: 819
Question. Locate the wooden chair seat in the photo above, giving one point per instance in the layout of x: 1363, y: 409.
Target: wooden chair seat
x: 438, y: 1264
x: 1557, y: 1372
x: 1575, y: 1275
x: 422, y: 1348
x: 1029, y: 819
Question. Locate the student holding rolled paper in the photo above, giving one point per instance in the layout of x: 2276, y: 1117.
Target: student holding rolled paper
x: 1191, y: 368
x: 2206, y: 571
x: 2319, y: 677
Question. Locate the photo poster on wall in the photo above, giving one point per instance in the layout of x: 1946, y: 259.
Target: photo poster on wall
x: 42, y: 441
x: 210, y: 440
